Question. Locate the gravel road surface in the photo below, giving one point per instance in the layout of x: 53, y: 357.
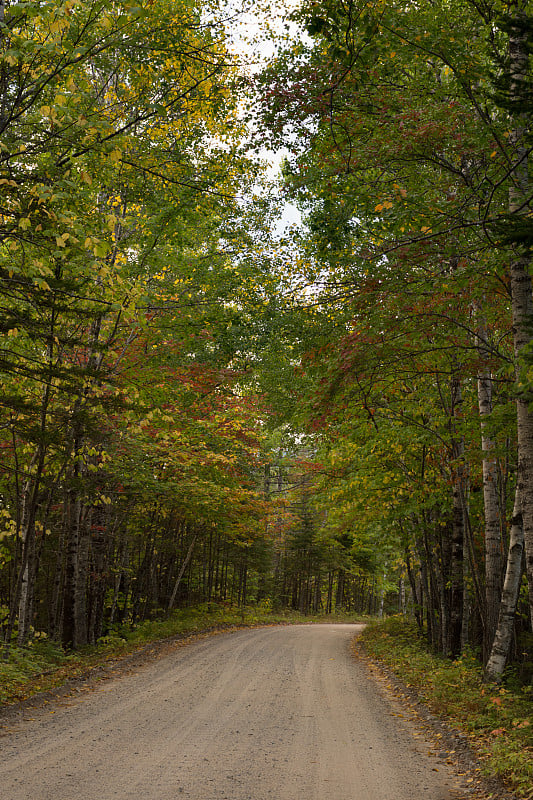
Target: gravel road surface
x: 281, y: 713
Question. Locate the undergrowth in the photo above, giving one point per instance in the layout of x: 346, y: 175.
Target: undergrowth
x: 44, y: 665
x: 497, y: 719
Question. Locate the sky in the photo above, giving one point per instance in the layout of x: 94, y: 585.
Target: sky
x: 255, y: 49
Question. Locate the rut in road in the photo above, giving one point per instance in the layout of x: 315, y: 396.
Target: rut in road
x: 282, y: 713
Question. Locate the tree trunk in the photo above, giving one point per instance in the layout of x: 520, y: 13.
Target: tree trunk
x: 27, y: 566
x: 123, y: 559
x: 504, y: 632
x: 522, y: 305
x: 454, y: 637
x: 21, y: 600
x: 181, y: 573
x: 493, y: 538
x: 55, y: 610
x: 68, y: 635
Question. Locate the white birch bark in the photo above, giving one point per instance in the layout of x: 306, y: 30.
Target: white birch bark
x: 493, y: 537
x: 521, y: 534
x: 522, y: 305
x: 513, y: 574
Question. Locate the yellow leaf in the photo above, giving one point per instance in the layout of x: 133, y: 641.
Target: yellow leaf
x: 100, y: 249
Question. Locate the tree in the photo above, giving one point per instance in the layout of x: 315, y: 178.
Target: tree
x: 404, y: 161
x: 120, y: 204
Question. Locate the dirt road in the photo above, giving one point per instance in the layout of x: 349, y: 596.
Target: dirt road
x: 266, y: 714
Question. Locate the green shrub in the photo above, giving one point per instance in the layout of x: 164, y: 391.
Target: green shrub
x: 498, y: 720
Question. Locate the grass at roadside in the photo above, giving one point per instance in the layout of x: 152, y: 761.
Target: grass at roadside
x: 498, y: 720
x: 44, y: 665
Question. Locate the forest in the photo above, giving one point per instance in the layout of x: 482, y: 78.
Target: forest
x: 200, y: 405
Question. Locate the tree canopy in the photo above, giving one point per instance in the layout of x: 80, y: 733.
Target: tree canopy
x: 195, y: 407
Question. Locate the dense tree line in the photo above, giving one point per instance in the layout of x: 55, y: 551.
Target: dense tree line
x: 134, y: 290
x: 122, y: 436
x: 192, y: 412
x: 408, y: 128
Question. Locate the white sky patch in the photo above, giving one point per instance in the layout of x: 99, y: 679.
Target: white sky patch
x: 254, y: 37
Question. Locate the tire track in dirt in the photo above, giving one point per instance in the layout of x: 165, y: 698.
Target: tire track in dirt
x: 280, y: 713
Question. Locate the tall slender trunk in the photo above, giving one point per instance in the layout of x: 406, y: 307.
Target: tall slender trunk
x: 123, y: 559
x: 68, y: 633
x: 23, y: 594
x: 440, y: 577
x: 505, y: 628
x: 55, y: 610
x: 416, y: 591
x: 80, y: 596
x: 522, y: 304
x: 183, y: 567
x: 23, y: 590
x: 454, y: 637
x: 493, y: 534
x: 25, y: 583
